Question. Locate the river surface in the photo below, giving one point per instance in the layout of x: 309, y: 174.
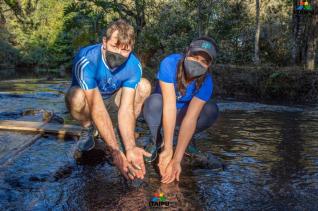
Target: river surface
x: 270, y: 153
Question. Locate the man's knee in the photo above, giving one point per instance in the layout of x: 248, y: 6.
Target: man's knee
x: 144, y: 88
x: 75, y: 99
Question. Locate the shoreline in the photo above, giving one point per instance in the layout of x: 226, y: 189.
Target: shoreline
x: 281, y: 85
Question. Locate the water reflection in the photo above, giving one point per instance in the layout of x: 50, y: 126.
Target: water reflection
x: 270, y: 152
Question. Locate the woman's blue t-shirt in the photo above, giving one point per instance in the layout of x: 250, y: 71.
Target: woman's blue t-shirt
x: 168, y: 73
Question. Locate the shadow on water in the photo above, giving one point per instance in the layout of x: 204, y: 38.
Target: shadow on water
x: 270, y: 152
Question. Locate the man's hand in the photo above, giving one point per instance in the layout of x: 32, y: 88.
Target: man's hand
x: 135, y: 156
x: 164, y: 159
x: 123, y: 165
x: 172, y: 172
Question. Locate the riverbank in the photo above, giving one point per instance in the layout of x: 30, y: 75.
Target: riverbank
x: 266, y: 83
x: 250, y: 83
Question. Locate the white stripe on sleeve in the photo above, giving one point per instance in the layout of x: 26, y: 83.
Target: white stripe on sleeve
x: 79, y: 69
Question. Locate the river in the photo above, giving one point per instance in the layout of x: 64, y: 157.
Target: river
x: 270, y: 154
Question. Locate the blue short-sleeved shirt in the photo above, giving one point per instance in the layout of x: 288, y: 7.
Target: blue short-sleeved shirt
x: 168, y: 73
x: 90, y: 71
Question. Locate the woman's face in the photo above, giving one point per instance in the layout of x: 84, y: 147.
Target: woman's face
x: 202, y: 58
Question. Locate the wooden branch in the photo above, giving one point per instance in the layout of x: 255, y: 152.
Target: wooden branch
x: 40, y: 127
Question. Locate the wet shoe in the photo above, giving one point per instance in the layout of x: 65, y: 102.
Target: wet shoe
x: 56, y: 119
x: 192, y: 149
x: 153, y: 148
x: 205, y: 160
x: 86, y: 141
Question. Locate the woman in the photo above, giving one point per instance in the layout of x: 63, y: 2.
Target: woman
x: 181, y: 99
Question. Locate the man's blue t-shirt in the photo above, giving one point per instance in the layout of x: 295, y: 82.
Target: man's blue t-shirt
x: 168, y: 73
x: 90, y: 70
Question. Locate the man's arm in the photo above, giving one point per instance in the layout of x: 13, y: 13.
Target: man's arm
x: 126, y: 117
x: 101, y: 117
x: 126, y: 122
x: 103, y: 122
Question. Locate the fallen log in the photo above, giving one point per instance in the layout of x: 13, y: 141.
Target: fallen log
x: 60, y: 130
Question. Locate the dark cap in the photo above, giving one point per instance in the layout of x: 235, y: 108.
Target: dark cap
x: 203, y: 46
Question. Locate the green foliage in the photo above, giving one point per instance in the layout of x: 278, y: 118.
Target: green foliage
x: 47, y: 33
x: 279, y: 84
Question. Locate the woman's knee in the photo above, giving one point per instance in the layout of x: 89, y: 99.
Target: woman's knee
x: 211, y: 109
x: 208, y: 116
x: 152, y: 110
x: 153, y: 103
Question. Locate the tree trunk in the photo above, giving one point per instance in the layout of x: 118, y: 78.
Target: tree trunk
x: 312, y: 38
x: 257, y: 33
x: 199, y: 6
x: 140, y: 15
x: 300, y: 35
x: 295, y: 27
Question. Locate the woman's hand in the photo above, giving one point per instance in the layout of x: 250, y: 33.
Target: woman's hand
x: 172, y: 173
x: 164, y: 159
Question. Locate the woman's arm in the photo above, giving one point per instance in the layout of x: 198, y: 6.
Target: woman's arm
x: 169, y: 113
x: 186, y: 132
x: 169, y: 122
x: 188, y: 127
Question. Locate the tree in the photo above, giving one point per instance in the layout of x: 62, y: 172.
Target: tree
x: 312, y: 41
x: 257, y: 33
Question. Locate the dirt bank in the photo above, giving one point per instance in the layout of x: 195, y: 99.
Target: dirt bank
x: 284, y: 84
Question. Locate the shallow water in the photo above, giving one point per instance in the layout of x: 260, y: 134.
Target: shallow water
x: 270, y: 152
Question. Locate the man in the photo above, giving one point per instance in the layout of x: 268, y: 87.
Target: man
x: 101, y: 71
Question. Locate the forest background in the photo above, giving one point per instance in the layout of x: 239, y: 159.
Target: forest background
x: 268, y: 48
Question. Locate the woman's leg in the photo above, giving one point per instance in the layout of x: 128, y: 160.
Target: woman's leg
x: 152, y: 113
x: 208, y: 116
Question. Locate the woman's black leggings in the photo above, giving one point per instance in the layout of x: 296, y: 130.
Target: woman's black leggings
x: 152, y: 113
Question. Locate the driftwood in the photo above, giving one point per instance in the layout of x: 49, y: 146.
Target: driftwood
x: 41, y: 127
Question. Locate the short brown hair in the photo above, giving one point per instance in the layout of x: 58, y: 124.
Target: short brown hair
x: 126, y: 33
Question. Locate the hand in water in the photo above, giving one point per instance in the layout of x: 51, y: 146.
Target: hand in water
x: 172, y: 173
x: 135, y: 156
x: 121, y: 162
x: 164, y: 159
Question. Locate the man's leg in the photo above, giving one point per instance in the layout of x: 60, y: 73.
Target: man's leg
x: 142, y: 92
x: 77, y: 105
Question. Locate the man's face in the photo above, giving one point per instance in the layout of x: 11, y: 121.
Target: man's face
x: 113, y: 46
